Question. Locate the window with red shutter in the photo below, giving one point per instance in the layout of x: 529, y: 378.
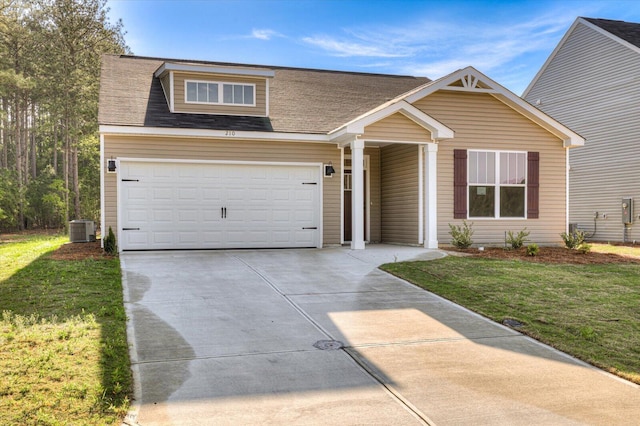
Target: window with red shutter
x: 460, y: 184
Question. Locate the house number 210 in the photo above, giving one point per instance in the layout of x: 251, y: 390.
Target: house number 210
x: 230, y: 133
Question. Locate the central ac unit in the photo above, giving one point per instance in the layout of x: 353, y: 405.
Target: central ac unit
x: 82, y: 231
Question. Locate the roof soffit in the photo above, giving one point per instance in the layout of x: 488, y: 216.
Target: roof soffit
x: 209, y: 69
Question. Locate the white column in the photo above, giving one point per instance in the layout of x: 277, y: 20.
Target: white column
x: 431, y: 195
x: 357, y: 194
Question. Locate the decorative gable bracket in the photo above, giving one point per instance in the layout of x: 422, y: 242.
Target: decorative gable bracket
x: 469, y: 81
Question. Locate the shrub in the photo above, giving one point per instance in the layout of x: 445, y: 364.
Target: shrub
x: 516, y: 241
x: 533, y: 249
x: 584, y: 248
x: 573, y: 240
x: 461, y: 235
x: 110, y: 243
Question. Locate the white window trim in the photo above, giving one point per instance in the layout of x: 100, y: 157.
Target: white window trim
x: 220, y: 93
x: 497, y: 185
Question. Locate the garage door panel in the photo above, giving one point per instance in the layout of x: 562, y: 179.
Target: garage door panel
x: 137, y: 194
x: 163, y: 215
x: 211, y: 237
x: 163, y: 237
x: 188, y: 217
x: 182, y: 205
x: 188, y: 238
x: 188, y: 194
x: 160, y: 194
x: 211, y: 216
x: 212, y: 194
x: 135, y: 215
x: 137, y: 238
x: 235, y: 194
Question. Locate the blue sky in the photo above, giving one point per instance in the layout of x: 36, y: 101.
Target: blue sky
x: 507, y: 40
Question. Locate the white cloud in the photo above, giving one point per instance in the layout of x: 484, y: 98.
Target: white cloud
x: 264, y: 34
x: 436, y: 48
x: 345, y: 48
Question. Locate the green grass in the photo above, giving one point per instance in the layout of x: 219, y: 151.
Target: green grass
x: 588, y: 311
x: 63, y: 349
x: 629, y: 251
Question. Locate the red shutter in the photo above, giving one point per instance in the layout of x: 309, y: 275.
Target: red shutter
x: 533, y: 185
x: 459, y: 183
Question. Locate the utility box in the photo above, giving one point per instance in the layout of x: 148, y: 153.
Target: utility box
x: 627, y: 211
x: 82, y: 231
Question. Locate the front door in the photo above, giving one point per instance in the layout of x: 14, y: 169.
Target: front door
x: 347, y: 199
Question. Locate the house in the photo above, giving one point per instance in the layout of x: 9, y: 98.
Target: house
x: 591, y: 83
x: 216, y: 155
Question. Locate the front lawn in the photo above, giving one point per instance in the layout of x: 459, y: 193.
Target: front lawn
x: 63, y: 348
x: 590, y: 311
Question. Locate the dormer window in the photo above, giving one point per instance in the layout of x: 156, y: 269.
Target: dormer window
x: 214, y: 92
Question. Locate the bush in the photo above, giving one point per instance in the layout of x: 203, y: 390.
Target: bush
x: 461, y: 235
x: 584, y: 248
x: 516, y: 241
x: 533, y: 249
x: 110, y: 243
x: 573, y: 240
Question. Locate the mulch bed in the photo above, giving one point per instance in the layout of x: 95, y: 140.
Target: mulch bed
x: 79, y: 251
x: 547, y: 255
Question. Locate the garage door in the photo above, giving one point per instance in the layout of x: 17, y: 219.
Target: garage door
x: 202, y: 206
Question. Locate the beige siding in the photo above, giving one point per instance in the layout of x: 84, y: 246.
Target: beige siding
x: 399, y: 193
x: 236, y: 150
x: 592, y: 85
x: 396, y: 127
x: 482, y: 122
x: 181, y: 106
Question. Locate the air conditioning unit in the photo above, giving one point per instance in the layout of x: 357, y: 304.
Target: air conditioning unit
x: 82, y: 231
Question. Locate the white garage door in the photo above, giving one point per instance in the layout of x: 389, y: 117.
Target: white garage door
x: 200, y: 206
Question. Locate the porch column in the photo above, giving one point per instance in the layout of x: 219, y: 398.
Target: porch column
x: 430, y: 195
x: 357, y: 194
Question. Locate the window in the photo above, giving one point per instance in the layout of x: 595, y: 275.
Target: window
x: 497, y: 184
x: 205, y: 92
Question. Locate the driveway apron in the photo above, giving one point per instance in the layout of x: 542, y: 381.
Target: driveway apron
x: 323, y: 336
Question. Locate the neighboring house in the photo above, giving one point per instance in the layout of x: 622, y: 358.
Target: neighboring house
x: 591, y: 82
x: 213, y: 155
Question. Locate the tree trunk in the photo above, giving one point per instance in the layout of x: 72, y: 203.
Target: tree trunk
x: 65, y: 168
x: 34, y: 172
x: 76, y: 182
x: 4, y: 159
x: 19, y: 154
x: 55, y: 148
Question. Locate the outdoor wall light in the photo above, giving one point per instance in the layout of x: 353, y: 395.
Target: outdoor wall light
x: 111, y: 165
x: 329, y: 170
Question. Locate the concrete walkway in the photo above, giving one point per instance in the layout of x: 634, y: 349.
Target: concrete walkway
x: 322, y: 336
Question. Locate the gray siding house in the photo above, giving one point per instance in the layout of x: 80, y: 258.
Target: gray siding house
x: 591, y: 83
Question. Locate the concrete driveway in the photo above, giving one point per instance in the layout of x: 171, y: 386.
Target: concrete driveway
x: 322, y: 336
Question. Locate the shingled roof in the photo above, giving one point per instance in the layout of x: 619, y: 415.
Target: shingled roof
x: 300, y: 100
x: 627, y: 31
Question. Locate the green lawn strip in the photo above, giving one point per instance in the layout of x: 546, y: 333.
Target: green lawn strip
x: 628, y: 251
x: 63, y: 349
x: 18, y: 254
x: 588, y: 311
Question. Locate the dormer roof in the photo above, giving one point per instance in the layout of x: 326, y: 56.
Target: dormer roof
x: 300, y: 100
